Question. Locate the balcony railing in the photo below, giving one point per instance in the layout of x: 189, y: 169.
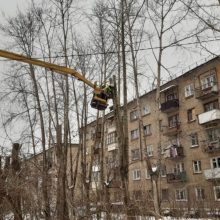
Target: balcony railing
x: 207, y: 91
x: 170, y: 105
x: 176, y: 152
x: 209, y: 116
x: 169, y: 131
x: 176, y: 177
x: 212, y: 173
x: 212, y: 147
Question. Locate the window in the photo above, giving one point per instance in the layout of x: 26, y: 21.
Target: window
x: 194, y: 140
x: 95, y: 176
x: 197, y: 166
x: 147, y: 129
x: 137, y: 194
x: 135, y: 154
x: 217, y: 193
x: 181, y: 195
x: 145, y: 110
x: 111, y: 138
x: 189, y: 90
x: 173, y: 121
x: 136, y: 174
x: 134, y: 134
x: 165, y: 194
x: 213, y: 134
x: 149, y: 151
x: 163, y: 170
x: 178, y: 168
x: 208, y: 81
x: 191, y: 115
x: 170, y: 95
x: 147, y: 174
x: 200, y: 194
x: 133, y: 115
x: 211, y: 105
x: 215, y: 162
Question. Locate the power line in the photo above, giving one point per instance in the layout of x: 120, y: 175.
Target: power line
x: 127, y: 51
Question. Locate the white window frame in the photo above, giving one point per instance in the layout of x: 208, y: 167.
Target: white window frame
x: 147, y: 174
x: 135, y: 154
x: 197, y: 167
x: 200, y: 194
x: 145, y: 110
x: 208, y: 81
x: 194, y: 140
x: 135, y: 134
x: 150, y: 150
x: 133, y: 115
x: 147, y: 129
x: 136, y: 174
x: 189, y: 90
x: 181, y: 194
x: 215, y: 192
x: 215, y: 160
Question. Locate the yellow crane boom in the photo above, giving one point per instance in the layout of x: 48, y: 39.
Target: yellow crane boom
x: 99, y: 100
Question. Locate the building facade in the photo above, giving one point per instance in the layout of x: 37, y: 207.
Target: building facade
x: 182, y: 141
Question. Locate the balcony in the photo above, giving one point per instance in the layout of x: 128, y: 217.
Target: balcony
x: 207, y: 91
x: 113, y: 146
x: 211, y: 174
x: 212, y: 147
x: 170, y: 131
x: 176, y: 152
x: 170, y: 105
x: 209, y: 116
x: 176, y: 177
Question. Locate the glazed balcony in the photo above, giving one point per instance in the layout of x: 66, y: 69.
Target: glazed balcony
x: 176, y: 177
x: 211, y: 174
x: 209, y: 116
x: 207, y: 91
x: 170, y: 105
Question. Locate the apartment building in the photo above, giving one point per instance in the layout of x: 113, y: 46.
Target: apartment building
x: 182, y: 141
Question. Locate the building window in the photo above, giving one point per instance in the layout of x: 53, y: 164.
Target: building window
x: 137, y: 194
x: 134, y: 134
x: 191, y: 116
x: 200, y: 194
x: 194, y: 140
x: 179, y: 168
x: 136, y: 174
x: 217, y: 193
x: 133, y: 115
x: 95, y: 176
x: 189, y: 90
x: 135, y: 154
x: 213, y: 134
x: 145, y: 110
x: 181, y: 195
x: 111, y: 138
x: 163, y: 170
x: 208, y: 81
x: 215, y: 162
x: 147, y: 129
x: 165, y: 194
x: 211, y: 105
x: 147, y: 174
x: 149, y: 151
x: 173, y: 121
x: 197, y: 166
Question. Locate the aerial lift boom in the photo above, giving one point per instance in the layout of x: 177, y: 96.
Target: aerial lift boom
x: 100, y: 98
